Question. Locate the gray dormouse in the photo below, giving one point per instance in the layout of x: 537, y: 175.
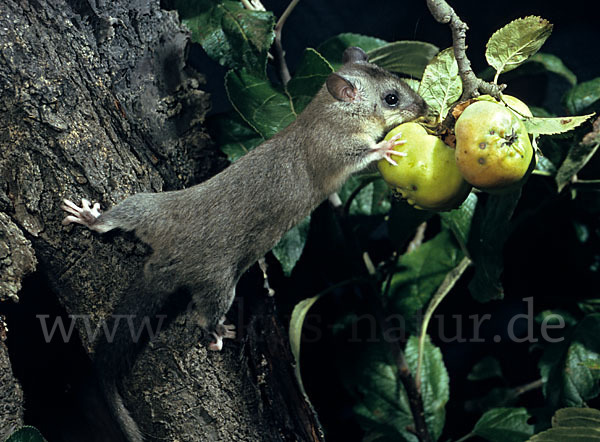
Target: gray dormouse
x: 205, y: 237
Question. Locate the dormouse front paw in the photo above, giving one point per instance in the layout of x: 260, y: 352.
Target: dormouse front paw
x: 386, y: 147
x: 85, y: 215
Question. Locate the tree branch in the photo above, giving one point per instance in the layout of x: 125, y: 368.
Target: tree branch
x: 472, y: 86
x: 284, y: 72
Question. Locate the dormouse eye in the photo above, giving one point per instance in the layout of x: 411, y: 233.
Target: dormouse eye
x: 391, y: 99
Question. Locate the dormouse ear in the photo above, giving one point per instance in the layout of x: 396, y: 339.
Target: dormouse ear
x: 340, y: 88
x: 354, y: 54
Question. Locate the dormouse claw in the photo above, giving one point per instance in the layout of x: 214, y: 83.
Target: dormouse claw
x: 86, y: 214
x: 387, y: 147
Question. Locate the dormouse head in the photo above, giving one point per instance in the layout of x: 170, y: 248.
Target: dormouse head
x: 371, y: 92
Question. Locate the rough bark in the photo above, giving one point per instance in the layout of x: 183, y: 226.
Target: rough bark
x: 11, y: 396
x: 97, y: 102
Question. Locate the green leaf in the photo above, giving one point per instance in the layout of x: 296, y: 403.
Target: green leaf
x: 441, y: 85
x: 552, y: 63
x: 589, y: 306
x: 435, y: 382
x: 551, y: 126
x: 333, y: 48
x: 296, y: 322
x: 269, y: 108
x: 421, y: 272
x: 577, y: 157
x: 310, y: 75
x: 504, y: 425
x: 487, y: 368
x: 26, y: 434
x: 569, y: 379
x: 382, y: 406
x: 583, y: 96
x: 370, y: 196
x: 229, y: 33
x: 233, y: 134
x: 489, y: 232
x: 567, y: 435
x: 264, y: 106
x: 289, y: 248
x: 572, y: 425
x: 511, y: 45
x: 413, y: 83
x: 406, y: 57
x: 577, y: 417
x: 459, y: 220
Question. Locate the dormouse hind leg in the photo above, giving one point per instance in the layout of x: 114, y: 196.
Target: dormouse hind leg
x: 212, y: 302
x: 222, y: 331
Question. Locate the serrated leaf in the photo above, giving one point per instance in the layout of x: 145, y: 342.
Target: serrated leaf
x: 568, y: 380
x: 229, y: 33
x: 382, y: 406
x: 26, y: 434
x: 296, y: 322
x: 567, y: 435
x: 583, y: 96
x: 572, y: 425
x: 441, y: 85
x: 406, y: 57
x: 545, y: 167
x: 459, y: 220
x: 513, y: 44
x: 413, y: 83
x: 435, y: 382
x: 577, y: 157
x: 269, y: 108
x: 504, y: 425
x: 540, y: 63
x: 421, y: 273
x: 589, y: 306
x: 235, y: 137
x: 333, y: 48
x: 264, y: 106
x: 289, y: 248
x: 310, y: 75
x: 487, y: 368
x: 489, y: 232
x: 552, y: 63
x: 552, y: 126
x: 577, y: 417
x: 369, y: 196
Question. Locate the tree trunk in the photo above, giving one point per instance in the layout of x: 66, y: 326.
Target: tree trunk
x: 97, y: 102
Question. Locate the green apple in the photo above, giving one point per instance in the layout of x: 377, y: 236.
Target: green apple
x: 493, y: 149
x: 517, y: 106
x: 427, y: 177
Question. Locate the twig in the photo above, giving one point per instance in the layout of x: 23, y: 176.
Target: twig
x: 284, y: 72
x: 451, y: 278
x: 528, y: 387
x: 418, y: 238
x: 415, y: 399
x: 472, y: 86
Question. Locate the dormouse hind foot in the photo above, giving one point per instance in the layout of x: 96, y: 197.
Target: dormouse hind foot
x: 85, y: 215
x: 386, y: 147
x: 223, y: 331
